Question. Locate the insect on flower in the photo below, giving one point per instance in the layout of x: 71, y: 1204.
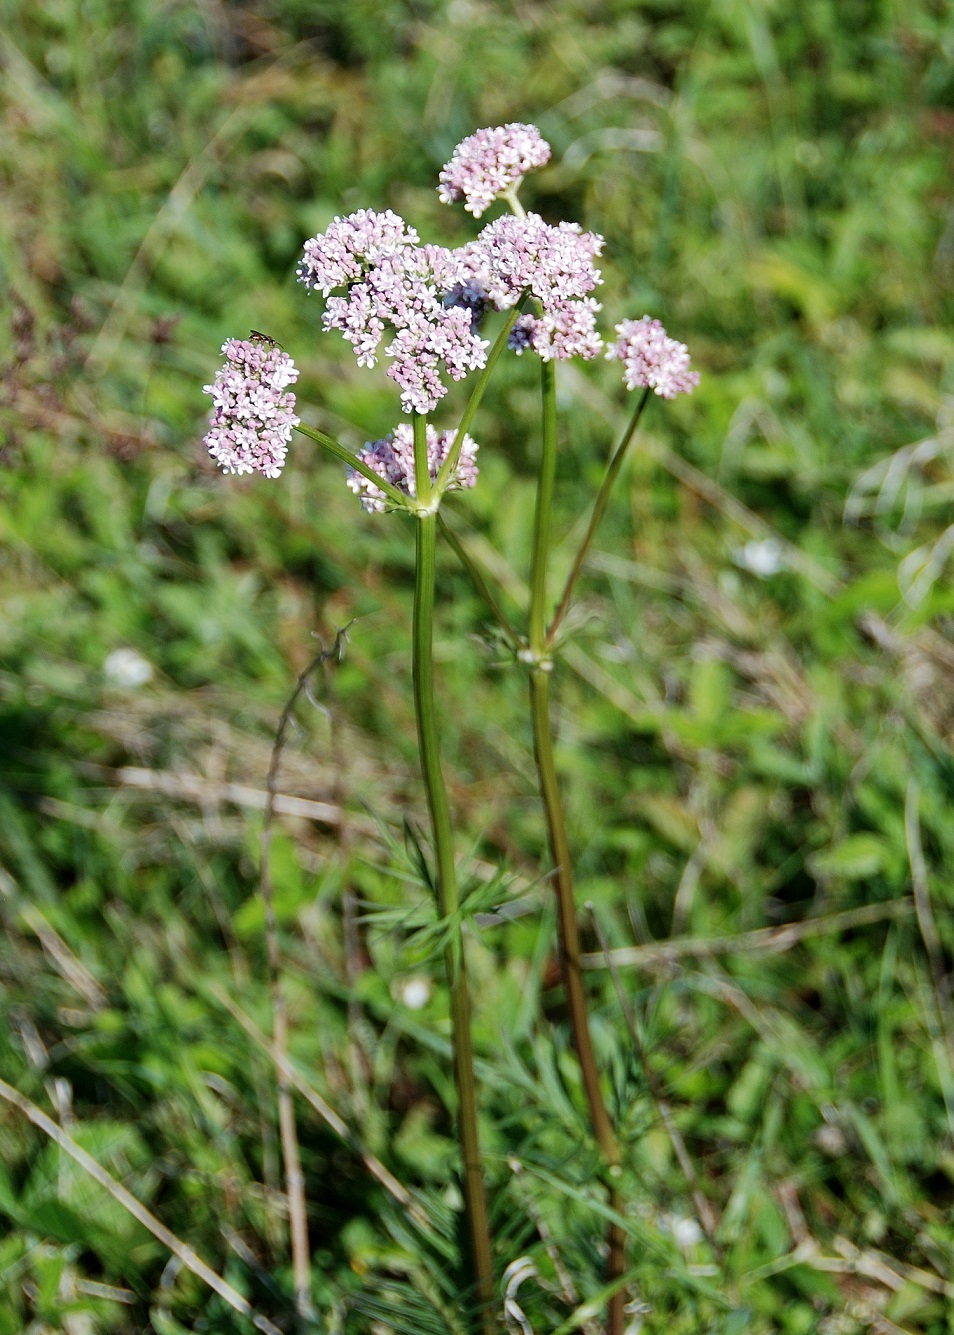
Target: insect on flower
x: 265, y: 338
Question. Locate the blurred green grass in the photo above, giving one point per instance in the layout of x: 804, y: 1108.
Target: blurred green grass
x: 737, y: 748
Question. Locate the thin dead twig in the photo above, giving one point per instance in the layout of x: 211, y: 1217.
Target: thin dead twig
x: 181, y: 1250
x: 294, y: 1177
x: 764, y: 940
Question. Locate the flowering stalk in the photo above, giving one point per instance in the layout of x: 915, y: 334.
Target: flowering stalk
x: 454, y: 960
x: 599, y: 505
x: 568, y: 932
x: 473, y: 403
x: 420, y: 306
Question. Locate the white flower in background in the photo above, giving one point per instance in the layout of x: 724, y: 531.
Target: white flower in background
x: 415, y: 993
x: 127, y: 669
x: 764, y: 557
x: 686, y: 1233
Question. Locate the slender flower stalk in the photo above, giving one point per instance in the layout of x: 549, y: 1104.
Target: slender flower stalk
x: 546, y: 482
x: 345, y: 455
x: 599, y: 505
x: 473, y: 402
x: 568, y: 930
x: 454, y: 959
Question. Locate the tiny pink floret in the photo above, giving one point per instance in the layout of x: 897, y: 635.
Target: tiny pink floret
x: 490, y: 162
x: 254, y: 411
x: 393, y: 459
x: 653, y: 360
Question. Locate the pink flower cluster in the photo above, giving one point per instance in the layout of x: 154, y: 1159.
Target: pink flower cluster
x: 351, y: 246
x: 490, y: 162
x: 393, y: 459
x: 567, y: 331
x: 254, y: 411
x: 394, y: 283
x: 514, y: 257
x: 653, y: 360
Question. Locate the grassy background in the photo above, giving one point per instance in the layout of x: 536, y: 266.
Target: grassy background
x: 740, y: 750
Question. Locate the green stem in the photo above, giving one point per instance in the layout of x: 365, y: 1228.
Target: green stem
x: 423, y: 667
x: 422, y: 473
x: 515, y: 206
x: 599, y: 505
x: 568, y: 931
x: 500, y: 342
x: 546, y: 482
x: 346, y: 456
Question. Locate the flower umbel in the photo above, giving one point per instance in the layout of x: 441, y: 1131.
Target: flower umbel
x: 393, y: 459
x: 514, y: 257
x: 254, y: 411
x: 394, y: 283
x: 653, y: 360
x: 490, y: 162
x: 568, y: 330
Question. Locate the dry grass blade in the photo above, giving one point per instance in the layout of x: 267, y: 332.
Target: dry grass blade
x: 927, y: 923
x: 324, y: 1110
x: 181, y: 1250
x: 704, y: 1210
x: 195, y: 788
x: 943, y: 1038
x: 704, y: 486
x: 546, y: 1237
x: 763, y: 940
x: 178, y: 202
x: 294, y: 1177
x: 70, y: 969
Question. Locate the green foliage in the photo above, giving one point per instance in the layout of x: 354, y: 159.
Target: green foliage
x: 739, y: 725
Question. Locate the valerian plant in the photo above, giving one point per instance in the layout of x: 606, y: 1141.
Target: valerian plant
x: 423, y: 308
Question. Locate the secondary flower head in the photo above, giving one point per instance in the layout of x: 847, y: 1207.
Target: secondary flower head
x: 487, y: 164
x: 393, y: 459
x: 653, y: 360
x: 394, y: 283
x: 515, y: 256
x: 254, y: 411
x: 512, y: 256
x: 568, y: 330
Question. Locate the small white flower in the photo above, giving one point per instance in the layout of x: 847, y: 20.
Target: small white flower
x: 763, y: 558
x: 127, y: 669
x: 416, y: 993
x: 686, y: 1233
